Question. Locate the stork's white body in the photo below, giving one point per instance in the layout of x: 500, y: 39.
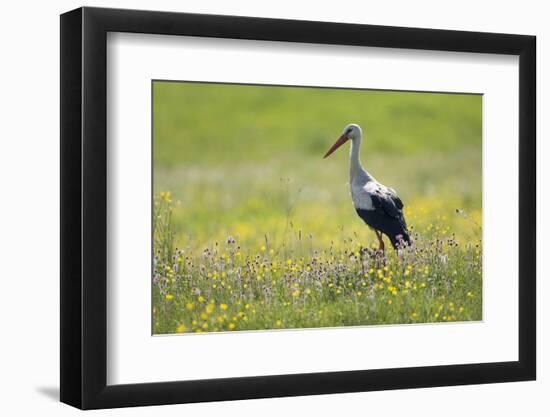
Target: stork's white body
x: 359, y: 188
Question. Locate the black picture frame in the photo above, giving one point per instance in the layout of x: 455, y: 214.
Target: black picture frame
x: 84, y: 207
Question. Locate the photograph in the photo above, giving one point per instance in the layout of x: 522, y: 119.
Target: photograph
x: 290, y: 207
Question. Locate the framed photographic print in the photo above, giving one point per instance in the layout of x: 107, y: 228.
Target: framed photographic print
x: 257, y: 207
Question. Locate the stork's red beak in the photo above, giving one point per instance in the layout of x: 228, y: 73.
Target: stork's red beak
x: 341, y: 140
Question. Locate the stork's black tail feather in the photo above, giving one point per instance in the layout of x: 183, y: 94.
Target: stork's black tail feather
x: 394, y: 227
x: 401, y: 240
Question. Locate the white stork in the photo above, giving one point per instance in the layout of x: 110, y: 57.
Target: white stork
x: 378, y: 205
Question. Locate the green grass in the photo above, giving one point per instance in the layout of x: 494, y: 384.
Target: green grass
x: 246, y: 162
x: 196, y: 122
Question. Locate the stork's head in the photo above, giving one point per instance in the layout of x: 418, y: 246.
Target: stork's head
x: 351, y: 131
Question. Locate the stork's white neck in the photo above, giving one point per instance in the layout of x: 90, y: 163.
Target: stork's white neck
x: 355, y: 168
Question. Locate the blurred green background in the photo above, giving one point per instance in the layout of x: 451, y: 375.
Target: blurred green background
x: 246, y: 161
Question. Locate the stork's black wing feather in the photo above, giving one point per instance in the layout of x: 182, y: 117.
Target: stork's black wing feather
x: 387, y: 215
x: 397, y: 201
x: 390, y: 203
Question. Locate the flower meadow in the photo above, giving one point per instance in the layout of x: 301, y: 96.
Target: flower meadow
x: 254, y: 230
x: 226, y: 286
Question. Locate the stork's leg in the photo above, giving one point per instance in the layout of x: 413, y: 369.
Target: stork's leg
x: 380, y: 240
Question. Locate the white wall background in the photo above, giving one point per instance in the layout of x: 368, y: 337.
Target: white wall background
x: 29, y: 226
